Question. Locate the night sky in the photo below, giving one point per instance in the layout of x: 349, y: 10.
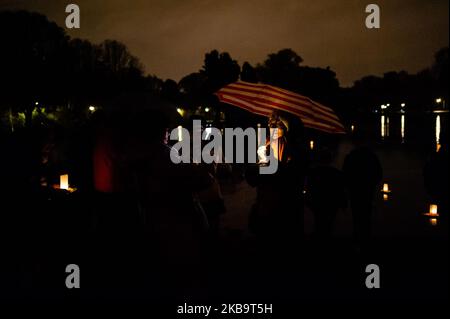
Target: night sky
x: 171, y: 37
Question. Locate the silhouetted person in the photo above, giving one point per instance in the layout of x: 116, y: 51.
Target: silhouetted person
x: 363, y: 172
x: 278, y: 211
x: 211, y: 200
x: 325, y: 189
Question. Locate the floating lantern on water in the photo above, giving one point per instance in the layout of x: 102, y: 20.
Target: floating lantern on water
x: 385, y: 191
x: 433, y: 212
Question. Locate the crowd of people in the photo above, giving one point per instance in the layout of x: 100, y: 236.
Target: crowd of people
x: 135, y: 206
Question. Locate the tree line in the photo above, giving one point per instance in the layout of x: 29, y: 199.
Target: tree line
x: 44, y: 72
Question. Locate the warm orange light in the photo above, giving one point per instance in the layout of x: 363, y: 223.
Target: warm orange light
x: 433, y: 210
x: 433, y: 221
x: 385, y: 188
x: 64, y: 182
x: 311, y: 144
x: 385, y: 196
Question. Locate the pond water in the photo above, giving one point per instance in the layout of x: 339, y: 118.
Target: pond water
x: 403, y: 143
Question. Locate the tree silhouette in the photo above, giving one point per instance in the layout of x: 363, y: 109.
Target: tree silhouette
x: 32, y: 60
x: 192, y: 87
x: 220, y: 69
x: 281, y: 69
x: 248, y: 73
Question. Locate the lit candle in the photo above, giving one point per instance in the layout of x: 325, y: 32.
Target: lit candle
x: 64, y: 181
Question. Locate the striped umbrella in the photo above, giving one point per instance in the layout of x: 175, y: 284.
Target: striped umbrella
x: 263, y: 99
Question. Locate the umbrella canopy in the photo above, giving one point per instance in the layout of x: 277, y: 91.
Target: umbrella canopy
x: 263, y: 99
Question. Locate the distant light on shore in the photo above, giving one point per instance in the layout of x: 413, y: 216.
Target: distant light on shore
x: 181, y: 111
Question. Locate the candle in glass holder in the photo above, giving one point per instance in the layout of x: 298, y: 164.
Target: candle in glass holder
x: 64, y: 181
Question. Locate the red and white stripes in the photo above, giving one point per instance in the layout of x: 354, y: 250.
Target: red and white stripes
x: 263, y: 99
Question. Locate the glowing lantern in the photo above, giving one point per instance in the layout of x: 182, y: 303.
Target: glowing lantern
x: 385, y: 191
x: 64, y: 182
x: 433, y: 210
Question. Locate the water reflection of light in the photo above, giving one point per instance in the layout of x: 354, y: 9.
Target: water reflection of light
x: 433, y: 221
x: 384, y: 126
x: 180, y: 133
x: 402, y: 120
x: 438, y: 132
x: 208, y: 132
